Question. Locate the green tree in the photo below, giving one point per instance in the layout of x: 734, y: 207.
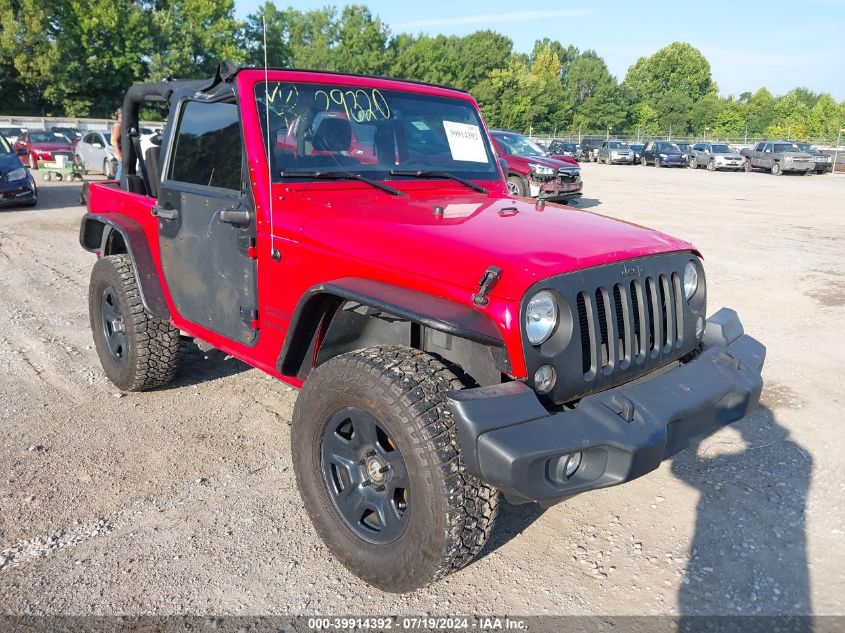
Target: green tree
x: 825, y: 119
x: 705, y: 112
x: 362, y: 40
x: 76, y: 53
x: 677, y: 68
x: 191, y: 37
x: 760, y: 111
x: 790, y: 117
x: 279, y: 53
x: 730, y: 121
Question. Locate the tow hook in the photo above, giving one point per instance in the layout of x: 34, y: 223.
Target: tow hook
x: 485, y: 285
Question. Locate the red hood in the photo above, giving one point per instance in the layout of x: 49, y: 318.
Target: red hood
x: 485, y: 230
x: 50, y: 147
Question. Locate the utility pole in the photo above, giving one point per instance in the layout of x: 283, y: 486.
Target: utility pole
x: 745, y: 142
x: 836, y: 151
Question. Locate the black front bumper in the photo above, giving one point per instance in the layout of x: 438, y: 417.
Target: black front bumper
x: 19, y: 192
x: 511, y: 441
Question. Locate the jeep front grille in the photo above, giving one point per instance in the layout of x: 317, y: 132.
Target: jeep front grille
x: 619, y: 321
x: 630, y: 323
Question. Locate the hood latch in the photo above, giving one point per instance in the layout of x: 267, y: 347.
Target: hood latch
x: 485, y: 285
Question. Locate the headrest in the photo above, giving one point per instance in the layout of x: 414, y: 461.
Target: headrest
x: 333, y: 135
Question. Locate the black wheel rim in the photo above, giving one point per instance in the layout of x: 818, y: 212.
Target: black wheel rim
x: 113, y: 329
x: 366, y: 476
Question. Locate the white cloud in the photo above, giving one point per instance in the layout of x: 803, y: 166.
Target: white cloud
x: 491, y: 18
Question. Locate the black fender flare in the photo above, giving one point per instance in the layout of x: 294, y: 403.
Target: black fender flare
x: 96, y: 235
x: 438, y: 313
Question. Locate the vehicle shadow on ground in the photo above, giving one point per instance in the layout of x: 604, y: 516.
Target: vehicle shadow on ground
x: 584, y: 203
x: 511, y: 522
x: 198, y: 366
x: 749, y: 552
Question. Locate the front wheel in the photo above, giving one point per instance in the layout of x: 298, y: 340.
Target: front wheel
x: 776, y: 169
x: 108, y: 169
x: 711, y: 166
x: 379, y: 468
x: 517, y: 186
x: 643, y: 161
x: 748, y: 167
x: 137, y: 351
x: 657, y: 162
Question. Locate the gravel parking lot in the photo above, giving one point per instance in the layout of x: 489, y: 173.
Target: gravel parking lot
x: 183, y: 501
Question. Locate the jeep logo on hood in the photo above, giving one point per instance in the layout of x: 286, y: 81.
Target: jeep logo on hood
x: 631, y: 271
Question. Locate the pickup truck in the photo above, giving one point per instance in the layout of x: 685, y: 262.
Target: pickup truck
x: 451, y: 343
x: 778, y: 157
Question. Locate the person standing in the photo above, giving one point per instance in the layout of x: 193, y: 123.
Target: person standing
x: 116, y: 135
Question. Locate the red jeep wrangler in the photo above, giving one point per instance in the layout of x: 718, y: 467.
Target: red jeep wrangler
x: 451, y: 342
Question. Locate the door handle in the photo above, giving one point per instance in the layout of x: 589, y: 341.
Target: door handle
x: 238, y: 217
x: 165, y: 214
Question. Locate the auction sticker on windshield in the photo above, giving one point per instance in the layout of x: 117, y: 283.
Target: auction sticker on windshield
x: 465, y: 142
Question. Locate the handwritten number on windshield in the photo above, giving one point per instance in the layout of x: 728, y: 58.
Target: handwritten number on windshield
x: 358, y: 105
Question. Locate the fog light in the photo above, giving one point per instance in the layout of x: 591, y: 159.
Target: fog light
x: 699, y: 327
x: 572, y: 464
x: 544, y: 379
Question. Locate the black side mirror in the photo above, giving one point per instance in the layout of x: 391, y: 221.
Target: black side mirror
x: 504, y: 165
x: 21, y: 151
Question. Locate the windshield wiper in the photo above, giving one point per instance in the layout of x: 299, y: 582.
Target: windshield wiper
x: 438, y: 174
x: 341, y: 175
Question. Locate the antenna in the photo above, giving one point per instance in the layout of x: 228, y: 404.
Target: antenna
x: 273, y: 251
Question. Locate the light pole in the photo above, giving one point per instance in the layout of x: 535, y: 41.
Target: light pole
x: 836, y: 151
x: 705, y: 132
x: 609, y: 128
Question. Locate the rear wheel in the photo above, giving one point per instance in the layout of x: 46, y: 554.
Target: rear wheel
x: 379, y: 468
x: 776, y: 169
x: 137, y: 351
x: 517, y: 186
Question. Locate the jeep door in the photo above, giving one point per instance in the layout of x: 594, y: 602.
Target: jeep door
x: 206, y: 220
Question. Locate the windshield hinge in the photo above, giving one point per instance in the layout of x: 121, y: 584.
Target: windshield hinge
x: 486, y: 284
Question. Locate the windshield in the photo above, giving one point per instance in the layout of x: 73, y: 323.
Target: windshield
x: 518, y: 145
x: 722, y: 149
x: 786, y: 147
x: 683, y: 146
x: 371, y: 132
x: 617, y: 145
x: 47, y: 137
x: 637, y: 146
x: 667, y: 147
x: 5, y: 148
x: 806, y: 147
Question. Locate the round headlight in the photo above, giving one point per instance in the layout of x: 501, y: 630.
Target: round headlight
x: 690, y: 280
x: 540, y: 317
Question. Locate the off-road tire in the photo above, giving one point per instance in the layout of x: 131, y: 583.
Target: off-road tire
x: 776, y: 169
x: 451, y: 512
x: 517, y: 183
x: 151, y: 355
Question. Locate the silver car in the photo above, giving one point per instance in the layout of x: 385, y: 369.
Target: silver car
x: 612, y: 152
x: 97, y: 154
x: 715, y: 156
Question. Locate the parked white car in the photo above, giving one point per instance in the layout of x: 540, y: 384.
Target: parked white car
x: 715, y: 156
x: 96, y: 154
